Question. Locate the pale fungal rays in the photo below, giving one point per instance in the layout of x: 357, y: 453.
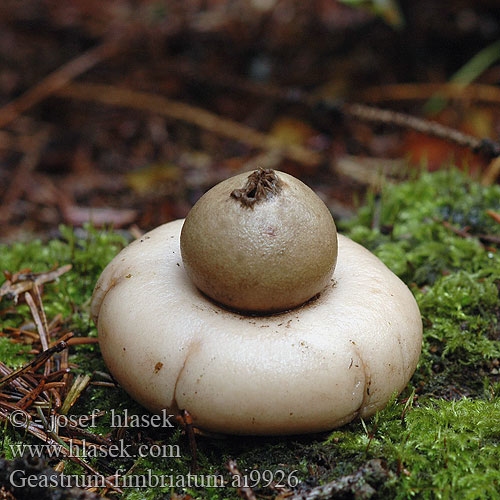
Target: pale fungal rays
x: 315, y: 366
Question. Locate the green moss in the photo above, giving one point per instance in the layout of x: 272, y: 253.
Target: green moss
x: 436, y: 442
x: 13, y: 354
x: 456, y: 280
x: 461, y: 313
x: 70, y: 295
x: 441, y: 449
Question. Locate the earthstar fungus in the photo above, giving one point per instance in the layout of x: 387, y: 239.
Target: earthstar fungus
x: 269, y: 246
x: 261, y: 327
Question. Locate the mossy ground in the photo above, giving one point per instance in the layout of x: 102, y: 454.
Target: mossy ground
x: 439, y: 439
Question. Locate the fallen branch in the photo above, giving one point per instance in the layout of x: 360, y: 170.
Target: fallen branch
x: 490, y: 238
x: 57, y: 79
x: 42, y: 332
x: 12, y: 288
x: 83, y: 340
x: 494, y: 215
x: 464, y: 233
x: 29, y: 395
x: 377, y: 115
x: 384, y: 116
x: 29, y: 399
x: 186, y: 421
x: 38, y: 315
x: 372, y: 114
x: 115, y: 96
x: 40, y: 359
x: 23, y: 384
x: 423, y: 91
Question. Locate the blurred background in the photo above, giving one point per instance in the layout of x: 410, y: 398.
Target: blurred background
x: 124, y: 112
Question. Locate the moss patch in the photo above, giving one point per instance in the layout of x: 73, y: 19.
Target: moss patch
x: 439, y: 439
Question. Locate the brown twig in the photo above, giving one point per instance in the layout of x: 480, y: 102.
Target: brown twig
x: 494, y: 215
x: 32, y: 393
x: 104, y: 384
x: 38, y: 321
x: 422, y: 91
x: 55, y: 439
x: 29, y: 399
x: 57, y: 79
x: 464, y: 233
x: 490, y: 238
x: 372, y: 114
x: 388, y: 117
x: 53, y: 375
x: 384, y: 116
x: 64, y: 365
x: 41, y: 358
x: 115, y: 96
x: 19, y: 331
x: 83, y: 340
x: 56, y: 397
x: 24, y: 384
x: 187, y: 422
x: 12, y: 289
x: 43, y: 316
x: 245, y: 491
x: 38, y: 316
x: 74, y: 430
x: 50, y: 438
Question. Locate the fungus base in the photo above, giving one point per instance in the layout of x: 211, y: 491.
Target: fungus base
x: 306, y: 370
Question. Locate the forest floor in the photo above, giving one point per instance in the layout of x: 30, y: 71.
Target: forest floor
x: 115, y: 117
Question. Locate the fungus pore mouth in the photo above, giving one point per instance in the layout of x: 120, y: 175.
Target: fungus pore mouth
x: 260, y: 185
